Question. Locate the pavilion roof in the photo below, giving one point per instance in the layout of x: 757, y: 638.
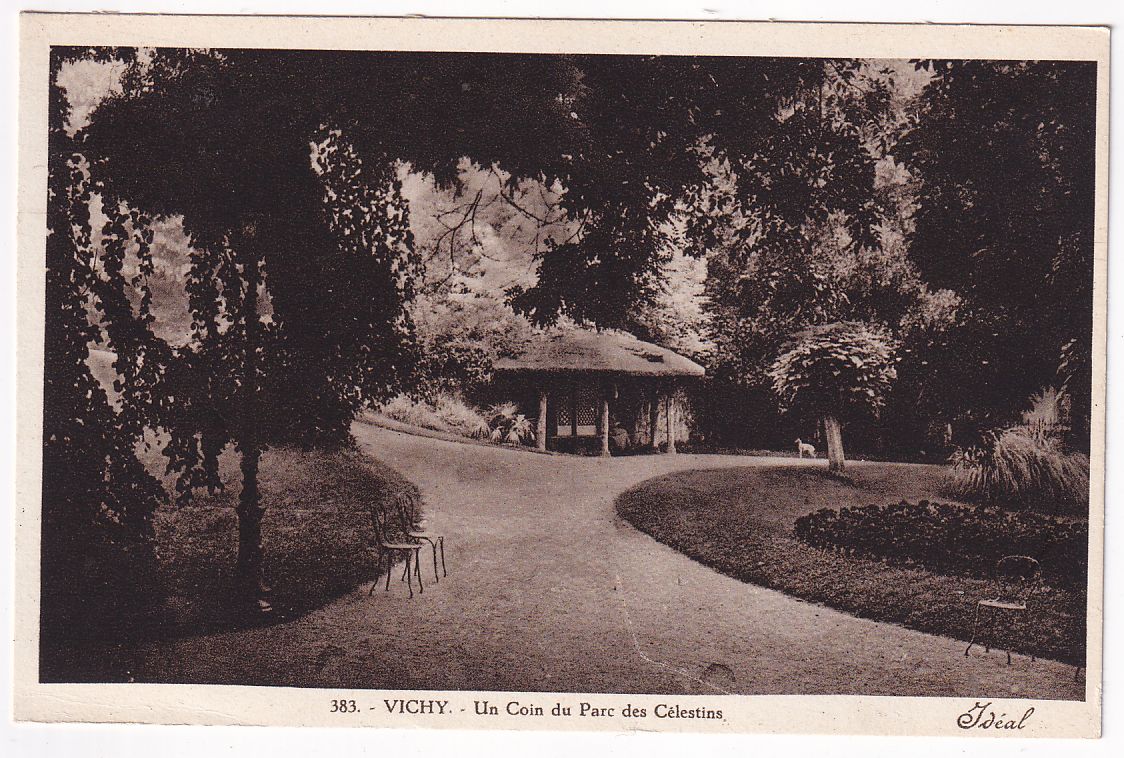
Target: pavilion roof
x: 610, y: 352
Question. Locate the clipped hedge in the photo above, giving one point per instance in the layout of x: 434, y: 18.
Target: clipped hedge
x: 952, y: 539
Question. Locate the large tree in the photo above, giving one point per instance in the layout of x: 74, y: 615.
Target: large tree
x: 1004, y: 156
x: 282, y: 167
x: 800, y: 220
x: 301, y: 264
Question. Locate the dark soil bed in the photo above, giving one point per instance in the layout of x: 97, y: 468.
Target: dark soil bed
x: 740, y: 522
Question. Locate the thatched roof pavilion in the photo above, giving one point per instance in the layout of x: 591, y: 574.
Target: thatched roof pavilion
x: 579, y: 376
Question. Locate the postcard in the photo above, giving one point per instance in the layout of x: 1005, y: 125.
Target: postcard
x: 561, y: 375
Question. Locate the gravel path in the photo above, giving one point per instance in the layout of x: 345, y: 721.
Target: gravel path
x: 549, y: 591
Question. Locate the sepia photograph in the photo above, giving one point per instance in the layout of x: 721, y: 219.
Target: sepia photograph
x: 688, y: 376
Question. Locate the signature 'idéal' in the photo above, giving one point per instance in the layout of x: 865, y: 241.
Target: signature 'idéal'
x: 982, y: 716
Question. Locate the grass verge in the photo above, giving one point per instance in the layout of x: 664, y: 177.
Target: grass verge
x: 315, y: 535
x: 740, y: 522
x: 315, y: 531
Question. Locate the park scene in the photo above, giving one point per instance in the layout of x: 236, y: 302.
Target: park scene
x: 568, y: 373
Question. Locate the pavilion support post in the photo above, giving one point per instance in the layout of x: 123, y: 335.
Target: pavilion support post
x: 654, y: 419
x: 540, y: 427
x: 670, y: 423
x: 605, y: 423
x: 574, y: 410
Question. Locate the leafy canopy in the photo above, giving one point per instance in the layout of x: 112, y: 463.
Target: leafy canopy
x: 842, y: 369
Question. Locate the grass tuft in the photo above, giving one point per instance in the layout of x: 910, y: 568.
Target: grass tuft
x: 1022, y: 466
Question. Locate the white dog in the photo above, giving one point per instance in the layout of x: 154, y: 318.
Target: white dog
x: 804, y: 447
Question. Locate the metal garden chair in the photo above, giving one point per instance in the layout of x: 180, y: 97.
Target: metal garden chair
x: 385, y: 546
x: 1016, y: 580
x: 436, y: 542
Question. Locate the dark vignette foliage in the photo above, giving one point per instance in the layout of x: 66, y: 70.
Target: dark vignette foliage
x: 1004, y: 154
x: 98, y: 499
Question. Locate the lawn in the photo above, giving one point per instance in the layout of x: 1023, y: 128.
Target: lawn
x: 315, y: 533
x: 740, y: 522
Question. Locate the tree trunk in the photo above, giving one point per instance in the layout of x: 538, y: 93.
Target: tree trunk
x: 250, y: 567
x: 654, y: 420
x: 540, y: 427
x: 834, y: 434
x: 605, y: 423
x: 670, y: 413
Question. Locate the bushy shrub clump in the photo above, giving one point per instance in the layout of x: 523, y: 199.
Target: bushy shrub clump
x: 507, y: 424
x: 1022, y: 467
x: 952, y: 539
x: 446, y: 413
x: 447, y: 368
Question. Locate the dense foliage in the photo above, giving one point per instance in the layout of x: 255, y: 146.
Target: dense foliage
x: 98, y: 499
x: 1003, y: 153
x: 952, y: 538
x: 459, y: 336
x: 986, y: 289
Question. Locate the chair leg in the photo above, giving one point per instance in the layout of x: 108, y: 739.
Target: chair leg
x: 417, y: 568
x: 441, y: 541
x: 975, y: 629
x: 409, y: 580
x: 433, y: 544
x: 991, y: 632
x: 389, y: 568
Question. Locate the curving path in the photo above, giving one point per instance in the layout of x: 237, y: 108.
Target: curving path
x: 549, y: 591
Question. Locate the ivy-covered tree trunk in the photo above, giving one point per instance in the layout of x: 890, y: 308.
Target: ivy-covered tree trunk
x: 251, y: 572
x: 250, y: 568
x: 834, y: 434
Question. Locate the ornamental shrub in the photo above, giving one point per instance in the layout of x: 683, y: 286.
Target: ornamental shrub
x: 1022, y: 466
x: 835, y: 371
x: 507, y: 424
x: 843, y: 369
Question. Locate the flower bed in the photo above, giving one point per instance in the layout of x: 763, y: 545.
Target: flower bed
x: 951, y: 538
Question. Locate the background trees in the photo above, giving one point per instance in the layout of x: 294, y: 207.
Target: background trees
x: 1004, y: 157
x: 814, y: 214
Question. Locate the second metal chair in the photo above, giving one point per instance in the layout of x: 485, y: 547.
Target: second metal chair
x: 415, y: 532
x: 385, y: 545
